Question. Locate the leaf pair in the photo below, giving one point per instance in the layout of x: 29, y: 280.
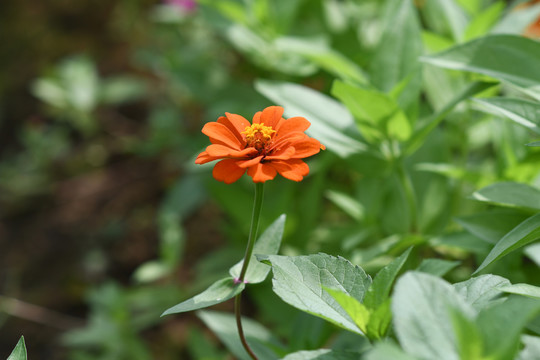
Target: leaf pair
x: 226, y: 288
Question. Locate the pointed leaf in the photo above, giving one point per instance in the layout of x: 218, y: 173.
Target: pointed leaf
x: 421, y: 304
x: 262, y: 342
x: 469, y: 338
x: 510, y: 194
x: 221, y: 291
x: 536, y: 143
x: 523, y: 112
x: 495, y: 56
x: 482, y: 291
x: 354, y: 308
x: 523, y: 234
x: 491, y: 226
x: 19, y: 352
x: 267, y: 244
x: 523, y: 289
x: 382, y: 283
x: 300, y: 282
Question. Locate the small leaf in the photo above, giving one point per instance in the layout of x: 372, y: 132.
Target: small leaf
x: 19, y: 352
x: 421, y: 304
x: 300, y: 282
x: 482, y: 291
x: 523, y: 234
x: 354, y: 308
x: 510, y: 194
x: 377, y: 114
x: 491, y: 226
x: 523, y: 112
x: 267, y: 244
x: 263, y: 343
x: 437, y: 267
x: 484, y: 21
x: 322, y: 354
x: 221, y: 291
x: 523, y: 289
x: 468, y: 336
x: 379, y: 320
x: 536, y: 143
x: 382, y: 283
x: 349, y: 205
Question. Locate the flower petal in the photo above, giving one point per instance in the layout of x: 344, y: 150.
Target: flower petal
x: 236, y: 123
x: 227, y: 171
x: 296, y: 123
x: 271, y: 116
x: 251, y: 162
x: 293, y: 169
x: 285, y: 154
x: 220, y: 134
x: 204, y: 157
x: 257, y: 117
x: 305, y: 148
x: 262, y: 172
x: 222, y: 151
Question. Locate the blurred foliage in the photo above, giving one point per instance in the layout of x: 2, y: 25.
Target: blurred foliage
x: 101, y: 106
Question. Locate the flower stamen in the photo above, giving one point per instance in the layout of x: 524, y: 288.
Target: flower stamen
x: 258, y: 135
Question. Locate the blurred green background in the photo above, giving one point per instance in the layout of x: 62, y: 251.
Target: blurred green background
x: 105, y: 221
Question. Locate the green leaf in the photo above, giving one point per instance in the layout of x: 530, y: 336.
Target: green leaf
x: 445, y: 17
x: 300, y: 281
x: 382, y: 283
x: 322, y: 354
x: 221, y: 291
x: 420, y: 135
x: 491, y: 226
x: 331, y: 122
x: 323, y: 56
x: 510, y: 194
x: 523, y: 112
x: 523, y: 289
x: 502, y: 324
x: 437, y: 267
x: 267, y: 244
x: 523, y: 234
x: 482, y: 291
x: 480, y: 25
x: 386, y: 351
x: 349, y: 205
x: 469, y: 338
x: 396, y: 56
x: 379, y: 320
x: 19, y: 352
x: 421, y: 304
x: 378, y: 115
x: 532, y: 348
x: 354, y: 308
x: 495, y: 56
x: 536, y: 143
x: 263, y: 343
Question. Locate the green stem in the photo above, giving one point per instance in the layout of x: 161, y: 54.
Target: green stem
x: 257, y: 205
x: 409, y: 194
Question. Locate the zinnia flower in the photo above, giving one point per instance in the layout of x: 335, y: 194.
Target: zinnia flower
x: 270, y: 145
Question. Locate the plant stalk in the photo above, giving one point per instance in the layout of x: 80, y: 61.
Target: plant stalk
x: 255, y: 216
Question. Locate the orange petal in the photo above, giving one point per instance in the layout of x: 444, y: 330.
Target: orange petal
x: 236, y: 123
x: 227, y: 171
x: 222, y: 151
x: 262, y: 172
x: 220, y: 134
x: 271, y: 116
x: 251, y: 162
x: 294, y: 169
x: 289, y: 139
x: 305, y: 148
x: 285, y: 154
x: 204, y: 157
x: 257, y: 117
x: 296, y: 123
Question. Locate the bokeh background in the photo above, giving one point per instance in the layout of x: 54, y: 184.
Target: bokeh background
x: 105, y: 221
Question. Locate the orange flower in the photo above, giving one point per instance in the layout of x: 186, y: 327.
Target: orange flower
x: 269, y: 146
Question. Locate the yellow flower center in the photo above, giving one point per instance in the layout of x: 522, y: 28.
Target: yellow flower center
x: 258, y: 135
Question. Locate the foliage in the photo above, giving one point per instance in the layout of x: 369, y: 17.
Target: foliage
x: 415, y: 235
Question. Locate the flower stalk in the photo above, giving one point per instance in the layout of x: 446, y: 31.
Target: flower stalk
x: 255, y: 216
